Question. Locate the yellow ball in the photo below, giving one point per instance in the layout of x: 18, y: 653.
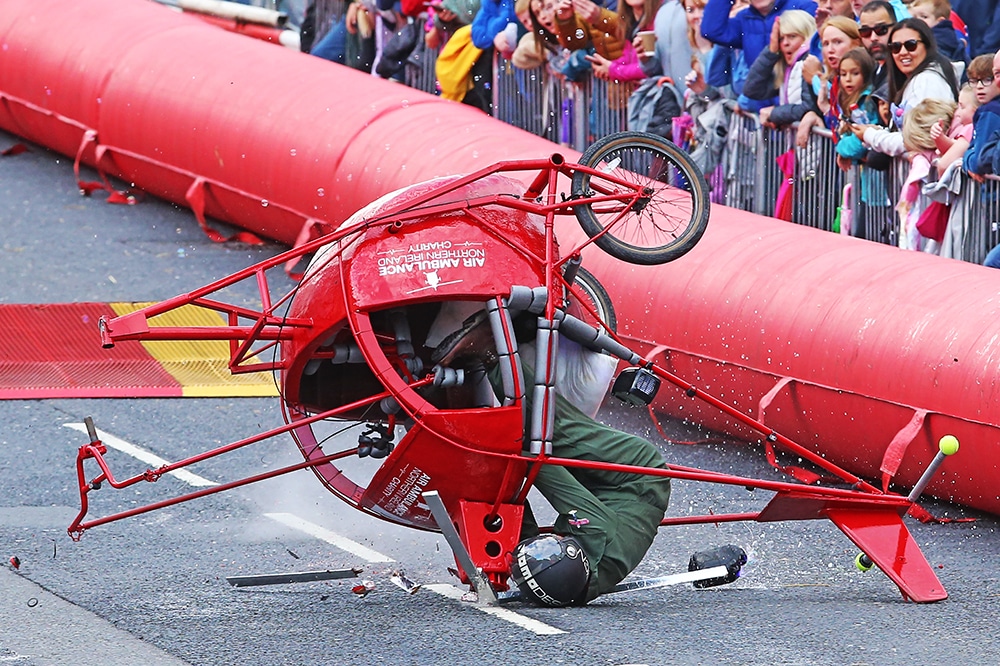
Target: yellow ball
x: 948, y: 445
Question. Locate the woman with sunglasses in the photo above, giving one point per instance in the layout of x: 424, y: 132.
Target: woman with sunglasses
x: 917, y: 71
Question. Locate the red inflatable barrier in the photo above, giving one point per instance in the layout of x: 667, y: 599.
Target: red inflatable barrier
x: 865, y: 353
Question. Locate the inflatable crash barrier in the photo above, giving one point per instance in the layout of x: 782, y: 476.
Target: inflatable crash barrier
x: 860, y: 351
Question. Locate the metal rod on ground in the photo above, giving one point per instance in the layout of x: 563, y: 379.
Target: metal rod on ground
x: 282, y: 578
x: 646, y: 583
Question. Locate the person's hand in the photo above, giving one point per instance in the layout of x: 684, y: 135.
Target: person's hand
x: 432, y: 38
x: 588, y: 11
x: 600, y: 65
x: 738, y: 6
x: 765, y: 116
x: 859, y: 130
x: 811, y: 66
x: 775, y: 45
x: 500, y: 43
x: 808, y: 121
x: 352, y: 17
x: 937, y: 129
x: 564, y: 9
x: 695, y: 79
x: 976, y: 177
x: 843, y: 163
x: 639, y: 51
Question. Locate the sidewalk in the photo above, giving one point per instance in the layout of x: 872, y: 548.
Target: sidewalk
x: 37, y: 627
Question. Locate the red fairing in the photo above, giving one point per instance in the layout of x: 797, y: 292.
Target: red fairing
x: 348, y: 292
x: 865, y: 353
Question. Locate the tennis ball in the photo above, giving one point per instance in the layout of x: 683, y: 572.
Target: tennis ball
x: 948, y: 445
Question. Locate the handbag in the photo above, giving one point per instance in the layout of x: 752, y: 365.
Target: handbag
x: 933, y: 221
x: 786, y: 191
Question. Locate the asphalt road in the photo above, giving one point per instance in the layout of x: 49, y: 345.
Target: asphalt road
x: 152, y: 589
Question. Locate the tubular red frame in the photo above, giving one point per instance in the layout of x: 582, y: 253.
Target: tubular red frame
x: 861, y: 511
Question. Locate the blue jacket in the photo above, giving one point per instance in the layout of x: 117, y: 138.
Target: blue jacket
x: 985, y: 146
x: 493, y: 17
x: 982, y: 18
x: 747, y: 30
x: 947, y: 42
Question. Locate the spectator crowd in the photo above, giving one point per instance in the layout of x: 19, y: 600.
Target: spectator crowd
x: 885, y: 80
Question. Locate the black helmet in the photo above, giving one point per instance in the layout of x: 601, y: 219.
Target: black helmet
x: 551, y: 570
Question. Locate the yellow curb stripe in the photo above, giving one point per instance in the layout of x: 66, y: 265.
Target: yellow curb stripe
x: 201, y: 367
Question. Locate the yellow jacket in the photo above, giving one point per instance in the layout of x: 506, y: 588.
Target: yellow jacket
x: 454, y: 64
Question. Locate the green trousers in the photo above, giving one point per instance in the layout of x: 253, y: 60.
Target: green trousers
x: 615, y: 516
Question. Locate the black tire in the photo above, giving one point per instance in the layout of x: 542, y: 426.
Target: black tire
x: 597, y: 296
x: 663, y: 226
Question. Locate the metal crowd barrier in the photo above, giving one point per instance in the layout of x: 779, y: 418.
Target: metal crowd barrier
x: 569, y: 113
x: 749, y: 177
x: 981, y: 228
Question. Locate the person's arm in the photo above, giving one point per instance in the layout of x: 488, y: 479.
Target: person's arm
x: 955, y: 152
x: 626, y: 68
x: 989, y: 154
x: 718, y: 27
x: 571, y: 31
x: 760, y: 78
x: 487, y: 24
x: 991, y: 37
x: 786, y: 114
x: 883, y: 141
x: 942, y: 141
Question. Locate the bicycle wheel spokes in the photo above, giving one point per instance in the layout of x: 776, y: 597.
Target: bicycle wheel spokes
x: 666, y: 218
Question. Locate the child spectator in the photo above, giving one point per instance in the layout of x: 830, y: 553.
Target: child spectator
x: 778, y: 70
x: 936, y: 14
x: 980, y: 75
x: 820, y: 87
x: 917, y: 139
x: 534, y: 48
x: 856, y: 105
x: 952, y: 144
x: 979, y: 158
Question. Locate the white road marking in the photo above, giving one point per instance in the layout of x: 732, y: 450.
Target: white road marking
x: 522, y: 621
x: 145, y: 456
x: 332, y: 538
x: 312, y: 529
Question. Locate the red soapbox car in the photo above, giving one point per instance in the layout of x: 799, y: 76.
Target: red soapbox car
x: 349, y: 343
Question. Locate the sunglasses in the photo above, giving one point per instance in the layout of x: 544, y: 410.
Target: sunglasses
x: 909, y: 45
x: 881, y: 29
